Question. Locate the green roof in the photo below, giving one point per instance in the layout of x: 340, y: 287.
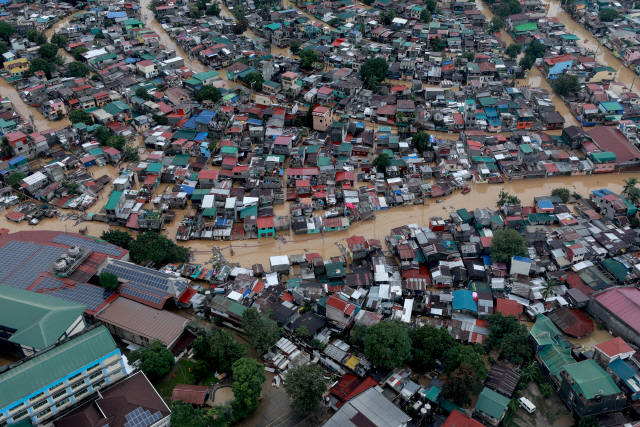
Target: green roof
x: 334, y: 269
x: 39, y: 320
x: 113, y: 200
x: 181, y: 160
x: 603, y: 156
x: 432, y: 394
x: 154, y: 168
x: 271, y: 83
x: 116, y: 107
x: 556, y: 357
x: 209, y: 212
x: 229, y: 304
x: 229, y: 150
x: 206, y: 75
x: 273, y: 27
x: 464, y: 215
x: 492, y: 403
x: 49, y: 367
x: 526, y: 148
x: 544, y: 331
x: 569, y: 37
x: 249, y: 211
x: 615, y: 268
x: 132, y: 22
x: 598, y: 69
x: 487, y: 101
x: 591, y: 379
x: 530, y: 26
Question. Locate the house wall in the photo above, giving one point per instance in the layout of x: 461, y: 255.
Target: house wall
x: 613, y: 322
x: 609, y: 403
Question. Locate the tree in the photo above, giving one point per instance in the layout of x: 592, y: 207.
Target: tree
x: 39, y: 64
x: 563, y: 193
x: 566, y: 84
x: 247, y: 385
x: 634, y: 195
x: 36, y: 37
x: 253, y: 81
x: 588, y: 421
x: 81, y: 116
x: 422, y: 141
x: 78, y: 51
x: 357, y: 334
x: 130, y: 154
x: 117, y: 141
x: 208, y: 93
x: 60, y: 39
x: 388, y: 16
x: 548, y: 289
x: 431, y: 5
x: 155, y: 360
x: 49, y: 50
x: 510, y: 336
x: 536, y: 49
x: 241, y: 26
x: 530, y: 372
x: 457, y: 355
x: 302, y: 332
x: 109, y: 281
x: 295, y: 46
x: 526, y: 63
x: 516, y: 348
x: 436, y: 44
x: 429, y: 344
x: 513, y: 50
x: 218, y: 349
x: 118, y: 238
x: 194, y: 12
x: 305, y: 386
x: 102, y: 133
x: 142, y: 93
x: 185, y: 415
x: 334, y: 22
x: 425, y: 16
x: 629, y: 184
x: 15, y: 178
x: 214, y: 9
x: 6, y: 146
x: 495, y: 25
x: 469, y: 56
x: 6, y: 31
x: 509, y: 7
x: 152, y: 6
x: 157, y: 248
x: 78, y: 69
x: 261, y: 332
x: 161, y: 119
x: 507, y: 243
x: 368, y: 2
x: 461, y: 384
x: 374, y: 70
x: 388, y: 344
x: 506, y: 198
x: 608, y: 15
x: 308, y: 58
x: 381, y: 162
x: 107, y: 23
x: 3, y: 48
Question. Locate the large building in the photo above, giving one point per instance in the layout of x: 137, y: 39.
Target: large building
x: 49, y: 383
x: 370, y: 408
x: 611, y: 139
x: 619, y: 309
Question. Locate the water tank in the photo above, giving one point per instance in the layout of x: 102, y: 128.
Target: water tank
x: 423, y: 411
x: 74, y: 251
x: 60, y: 265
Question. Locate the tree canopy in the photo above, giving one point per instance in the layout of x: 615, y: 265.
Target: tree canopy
x: 109, y: 281
x: 469, y: 56
x: 261, y: 332
x: 208, y: 93
x: 295, y: 46
x: 305, y: 385
x: 39, y: 64
x: 506, y: 198
x: 49, y: 50
x: 458, y: 355
x: 429, y: 344
x: 388, y: 344
x: 513, y: 50
x: 608, y: 15
x: 161, y: 119
x: 566, y: 84
x: 509, y: 7
x: 436, y: 44
x: 308, y: 58
x: 431, y: 5
x: 81, y: 116
x: 536, y: 49
x: 248, y: 376
x: 381, y: 162
x: 185, y: 415
x: 118, y: 238
x: 35, y: 36
x: 422, y: 141
x: 155, y: 360
x: 374, y: 70
x: 78, y: 69
x: 218, y: 349
x: 562, y: 192
x: 510, y: 336
x: 142, y: 93
x: 60, y: 39
x: 461, y: 384
x: 425, y: 16
x: 507, y: 243
x: 214, y: 9
x: 78, y: 51
x: 495, y: 25
x: 157, y: 248
x: 7, y: 30
x: 253, y: 81
x: 15, y: 178
x: 526, y: 62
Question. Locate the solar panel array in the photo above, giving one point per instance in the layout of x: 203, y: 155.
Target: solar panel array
x: 104, y: 248
x: 48, y: 283
x: 147, y: 277
x: 147, y: 289
x: 13, y: 254
x: 141, y: 418
x: 141, y: 295
x: 40, y: 262
x: 82, y: 293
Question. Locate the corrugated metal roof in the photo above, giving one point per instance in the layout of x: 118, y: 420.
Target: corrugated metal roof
x: 592, y: 379
x: 624, y: 303
x: 492, y: 403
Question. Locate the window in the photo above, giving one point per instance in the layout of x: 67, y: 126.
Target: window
x: 99, y: 383
x: 93, y: 367
x: 43, y: 413
x: 19, y: 415
x: 80, y: 393
x: 56, y: 386
x: 78, y: 384
x: 59, y: 394
x: 37, y: 397
x: 40, y: 404
x: 79, y: 374
x: 97, y: 374
x: 15, y: 408
x: 63, y: 402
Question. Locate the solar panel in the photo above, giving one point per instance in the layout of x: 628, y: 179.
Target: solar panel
x: 82, y: 293
x: 141, y: 418
x: 13, y: 255
x: 104, y: 248
x: 148, y: 289
x: 48, y: 283
x: 141, y: 295
x: 39, y: 262
x: 161, y: 282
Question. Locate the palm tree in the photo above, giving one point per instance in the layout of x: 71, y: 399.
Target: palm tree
x: 547, y: 289
x: 529, y: 372
x: 629, y: 184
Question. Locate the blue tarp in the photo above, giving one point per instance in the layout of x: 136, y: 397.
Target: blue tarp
x: 16, y: 160
x: 201, y: 136
x: 190, y: 124
x: 206, y: 116
x: 117, y: 15
x: 187, y: 189
x: 255, y: 122
x: 486, y: 260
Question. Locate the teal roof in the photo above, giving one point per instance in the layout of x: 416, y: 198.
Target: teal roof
x: 492, y: 403
x: 544, y: 331
x: 591, y: 379
x: 39, y: 320
x: 556, y: 357
x: 525, y: 148
x: 530, y: 26
x: 154, y: 168
x: 116, y: 107
x: 432, y: 394
x: 181, y: 160
x: 616, y: 268
x: 569, y: 37
x: 206, y: 75
x: 114, y: 198
x: 49, y: 367
x: 463, y: 300
x: 273, y: 27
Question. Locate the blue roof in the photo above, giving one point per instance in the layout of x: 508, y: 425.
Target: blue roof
x: 521, y: 259
x: 131, y: 60
x: 201, y: 136
x: 187, y: 189
x: 16, y: 160
x: 117, y: 15
x: 621, y: 369
x: 486, y: 260
x: 463, y: 300
x: 602, y: 192
x: 190, y: 124
x: 5, y: 1
x: 206, y: 116
x: 494, y: 121
x: 491, y: 112
x: 545, y: 204
x: 255, y: 122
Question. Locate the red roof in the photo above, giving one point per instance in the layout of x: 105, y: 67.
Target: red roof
x: 572, y: 321
x: 614, y: 347
x: 508, y: 307
x: 338, y: 303
x: 611, y: 139
x: 186, y: 296
x: 150, y: 179
x: 624, y: 302
x: 208, y: 174
x: 265, y: 222
x: 16, y: 216
x: 132, y: 223
x: 287, y: 297
x: 458, y: 419
x: 192, y: 394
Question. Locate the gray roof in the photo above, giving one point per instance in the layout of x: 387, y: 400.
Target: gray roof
x: 369, y: 408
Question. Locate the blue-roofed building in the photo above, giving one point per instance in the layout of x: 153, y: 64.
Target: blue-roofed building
x: 190, y: 124
x: 612, y: 110
x: 544, y: 206
x: 115, y: 15
x: 464, y: 303
x: 626, y: 375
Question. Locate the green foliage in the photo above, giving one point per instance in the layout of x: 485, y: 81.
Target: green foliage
x: 107, y: 23
x: 561, y: 192
x: 461, y: 384
x: 295, y: 46
x: 78, y: 69
x: 634, y: 222
x: 530, y: 372
x: 200, y: 371
x: 368, y: 2
x: 109, y: 281
x: 422, y: 141
x: 492, y: 360
x: 425, y: 16
x: 317, y: 344
x: 81, y: 116
x: 161, y: 119
x: 381, y: 162
x: 546, y: 389
x: 506, y: 198
x: 214, y: 9
x: 588, y: 421
x: 566, y: 84
x: 509, y: 7
x: 39, y: 64
x: 495, y: 25
x: 78, y: 51
x: 513, y: 50
x: 608, y: 15
x: 6, y: 146
x: 142, y: 93
x: 374, y: 70
x: 429, y: 344
x: 388, y: 16
x: 469, y: 56
x: 253, y: 81
x: 307, y: 307
x: 536, y: 49
x: 629, y: 183
x: 633, y: 195
x: 241, y: 26
x: 36, y: 37
x: 118, y: 238
x: 248, y: 377
x: 49, y: 50
x: 510, y: 336
x: 218, y: 349
x: 261, y: 332
x: 185, y: 415
x: 305, y: 386
x: 431, y: 5
x: 155, y: 360
x: 436, y: 44
x: 334, y: 22
x: 308, y: 58
x: 526, y: 63
x: 102, y: 133
x: 208, y: 93
x: 507, y: 243
x: 455, y: 356
x: 388, y: 344
x: 302, y: 332
x: 157, y: 248
x: 153, y: 4
x: 117, y: 141
x: 130, y: 154
x: 3, y: 48
x: 15, y: 178
x: 357, y: 335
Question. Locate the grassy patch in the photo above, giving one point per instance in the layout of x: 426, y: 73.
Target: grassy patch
x: 180, y: 374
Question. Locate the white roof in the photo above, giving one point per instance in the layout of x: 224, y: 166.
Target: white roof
x: 279, y: 260
x: 406, y: 310
x: 208, y: 201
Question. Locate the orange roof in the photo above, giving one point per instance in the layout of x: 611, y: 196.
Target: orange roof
x: 614, y: 346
